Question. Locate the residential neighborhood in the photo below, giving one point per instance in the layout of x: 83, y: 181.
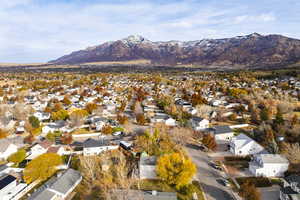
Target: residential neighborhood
x: 149, y: 136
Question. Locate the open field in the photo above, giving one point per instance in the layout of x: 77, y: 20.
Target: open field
x: 129, y: 62
x: 20, y: 64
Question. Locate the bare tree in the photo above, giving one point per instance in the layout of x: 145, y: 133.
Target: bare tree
x: 292, y: 152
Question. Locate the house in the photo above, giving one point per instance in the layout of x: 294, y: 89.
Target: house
x: 9, y: 146
x: 163, y: 118
x: 42, y: 116
x: 9, y: 187
x: 147, y: 167
x: 58, y: 187
x: 222, y: 133
x: 199, y: 123
x: 7, y: 183
x: 39, y: 149
x: 95, y: 147
x: 56, y: 126
x: 243, y: 145
x: 60, y: 150
x: 139, y: 194
x: 291, y: 188
x: 268, y: 165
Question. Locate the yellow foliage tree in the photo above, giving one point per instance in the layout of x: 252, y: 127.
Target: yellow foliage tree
x: 175, y: 169
x: 42, y: 167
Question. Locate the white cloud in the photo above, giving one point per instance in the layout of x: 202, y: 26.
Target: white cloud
x: 266, y: 17
x: 36, y: 32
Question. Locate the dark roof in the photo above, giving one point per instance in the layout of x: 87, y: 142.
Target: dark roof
x: 3, y: 167
x: 197, y: 119
x: 94, y: 143
x: 6, y: 180
x: 287, y: 190
x: 293, y: 178
x: 222, y: 129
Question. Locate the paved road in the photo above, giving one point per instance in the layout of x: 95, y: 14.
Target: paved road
x: 207, y: 176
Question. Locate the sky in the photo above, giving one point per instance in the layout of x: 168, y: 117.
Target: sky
x: 43, y: 30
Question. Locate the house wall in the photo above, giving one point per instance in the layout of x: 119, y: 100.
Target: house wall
x: 269, y: 170
x: 11, y: 149
x: 224, y: 137
x: 97, y: 150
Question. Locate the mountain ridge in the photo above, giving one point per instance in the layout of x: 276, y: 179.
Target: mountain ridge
x: 249, y: 50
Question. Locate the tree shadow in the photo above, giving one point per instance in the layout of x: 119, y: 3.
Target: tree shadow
x: 216, y: 192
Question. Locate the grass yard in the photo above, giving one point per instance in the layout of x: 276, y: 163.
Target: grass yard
x: 183, y: 194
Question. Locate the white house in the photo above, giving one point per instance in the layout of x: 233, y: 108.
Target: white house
x: 95, y: 147
x: 243, y: 145
x: 39, y: 149
x: 223, y: 134
x: 199, y: 123
x: 58, y: 187
x: 147, y: 167
x: 7, y: 183
x: 269, y: 165
x: 9, y: 146
x: 42, y: 116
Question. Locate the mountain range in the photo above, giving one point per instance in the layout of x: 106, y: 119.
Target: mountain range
x: 250, y: 50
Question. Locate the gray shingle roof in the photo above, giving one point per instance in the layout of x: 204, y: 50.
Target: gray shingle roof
x: 222, y: 129
x: 94, y: 143
x: 66, y: 181
x: 61, y: 184
x: 42, y: 195
x: 4, y: 143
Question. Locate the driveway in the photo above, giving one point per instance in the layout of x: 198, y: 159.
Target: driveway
x: 268, y: 193
x: 207, y: 176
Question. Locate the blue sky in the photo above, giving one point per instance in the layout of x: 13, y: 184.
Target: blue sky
x: 41, y: 30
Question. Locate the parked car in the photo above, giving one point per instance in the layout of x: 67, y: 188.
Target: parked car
x: 215, y: 166
x: 203, y: 148
x: 224, y: 182
x: 118, y: 133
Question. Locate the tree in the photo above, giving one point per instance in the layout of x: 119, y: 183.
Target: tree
x: 3, y: 134
x: 197, y: 99
x: 66, y: 101
x: 140, y: 119
x: 59, y: 115
x: 107, y: 129
x: 175, y: 169
x: 90, y: 107
x: 35, y: 122
x: 209, y: 141
x: 292, y: 152
x: 17, y: 157
x: 138, y: 108
x: 249, y: 192
x: 265, y: 114
x: 122, y: 119
x: 42, y: 167
x: 294, y: 120
x: 77, y: 117
x: 67, y: 139
x: 279, y: 118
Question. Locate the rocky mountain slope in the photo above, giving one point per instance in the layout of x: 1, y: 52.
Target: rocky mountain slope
x: 249, y: 50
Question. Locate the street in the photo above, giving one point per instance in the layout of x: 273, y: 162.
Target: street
x: 208, y: 176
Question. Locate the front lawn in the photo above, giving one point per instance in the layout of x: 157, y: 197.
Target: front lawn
x: 185, y: 193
